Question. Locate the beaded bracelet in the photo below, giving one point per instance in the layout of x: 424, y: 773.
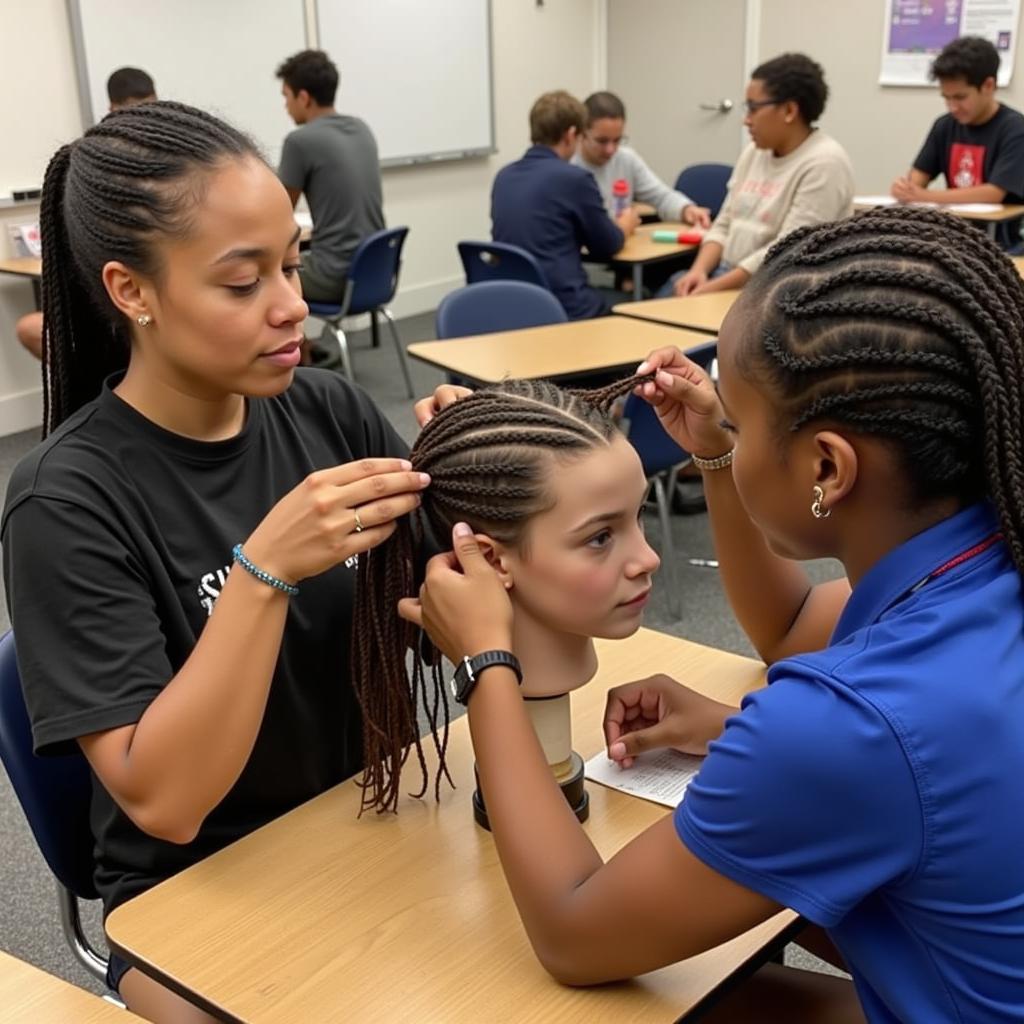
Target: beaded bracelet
x: 718, y: 462
x: 260, y: 574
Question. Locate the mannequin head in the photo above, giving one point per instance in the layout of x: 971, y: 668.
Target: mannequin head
x: 554, y: 494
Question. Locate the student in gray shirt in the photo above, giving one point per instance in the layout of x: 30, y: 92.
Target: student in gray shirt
x: 332, y: 158
x: 602, y: 152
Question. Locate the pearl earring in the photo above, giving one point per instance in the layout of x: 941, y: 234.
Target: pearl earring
x: 143, y: 319
x: 816, y: 510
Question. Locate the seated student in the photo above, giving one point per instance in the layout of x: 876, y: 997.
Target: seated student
x: 179, y: 552
x: 552, y: 209
x: 602, y: 152
x: 868, y: 409
x: 29, y: 330
x: 128, y: 86
x: 979, y: 145
x: 790, y: 175
x: 332, y: 159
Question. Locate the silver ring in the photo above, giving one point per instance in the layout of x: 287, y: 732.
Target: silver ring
x: 359, y: 522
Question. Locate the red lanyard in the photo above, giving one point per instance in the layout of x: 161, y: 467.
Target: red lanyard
x: 964, y: 556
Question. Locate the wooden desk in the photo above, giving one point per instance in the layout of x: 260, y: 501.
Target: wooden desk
x: 640, y: 250
x: 22, y: 266
x: 561, y: 350
x: 31, y: 996
x: 1018, y: 262
x: 645, y: 212
x: 989, y: 218
x: 697, y: 312
x: 322, y: 917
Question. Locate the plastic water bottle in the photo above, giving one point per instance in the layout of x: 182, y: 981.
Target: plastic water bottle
x: 620, y: 196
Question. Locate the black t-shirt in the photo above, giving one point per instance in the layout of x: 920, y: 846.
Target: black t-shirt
x: 986, y: 154
x: 117, y: 539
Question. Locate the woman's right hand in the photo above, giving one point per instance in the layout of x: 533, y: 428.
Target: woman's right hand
x: 315, y: 525
x: 689, y: 282
x: 686, y: 402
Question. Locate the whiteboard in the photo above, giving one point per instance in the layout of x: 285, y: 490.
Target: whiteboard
x: 219, y: 55
x: 418, y: 72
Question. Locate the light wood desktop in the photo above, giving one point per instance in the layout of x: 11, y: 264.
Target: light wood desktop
x: 990, y: 218
x: 31, y: 996
x: 1018, y: 262
x: 697, y: 312
x: 580, y: 347
x: 640, y: 250
x: 22, y: 266
x: 322, y: 917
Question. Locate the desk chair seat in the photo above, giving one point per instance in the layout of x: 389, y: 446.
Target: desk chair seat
x: 498, y: 261
x: 54, y: 793
x: 662, y: 459
x: 706, y: 184
x: 371, y: 284
x: 491, y: 306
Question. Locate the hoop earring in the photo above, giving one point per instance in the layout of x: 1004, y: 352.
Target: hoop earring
x: 816, y: 510
x: 144, y: 320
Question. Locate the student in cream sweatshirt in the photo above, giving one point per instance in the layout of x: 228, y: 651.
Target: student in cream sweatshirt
x: 792, y: 174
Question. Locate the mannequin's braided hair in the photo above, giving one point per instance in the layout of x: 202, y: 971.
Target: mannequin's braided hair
x: 490, y: 457
x: 905, y: 324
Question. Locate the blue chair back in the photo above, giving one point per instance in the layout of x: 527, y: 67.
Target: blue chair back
x: 54, y: 792
x: 657, y: 451
x: 705, y: 184
x: 496, y: 306
x: 372, y: 275
x: 497, y: 261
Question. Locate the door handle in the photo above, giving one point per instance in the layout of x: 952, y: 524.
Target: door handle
x: 722, y: 106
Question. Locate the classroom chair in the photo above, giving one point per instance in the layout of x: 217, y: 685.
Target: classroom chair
x: 496, y: 306
x: 705, y: 184
x: 662, y: 459
x: 371, y: 284
x: 54, y: 793
x: 496, y: 261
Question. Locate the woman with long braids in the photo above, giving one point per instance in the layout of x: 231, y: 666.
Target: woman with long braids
x: 869, y: 408
x: 181, y: 443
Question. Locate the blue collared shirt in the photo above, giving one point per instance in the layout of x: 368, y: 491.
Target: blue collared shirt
x: 877, y: 786
x: 553, y: 209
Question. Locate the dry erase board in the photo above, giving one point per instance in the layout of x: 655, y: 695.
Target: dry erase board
x: 417, y: 71
x: 216, y: 54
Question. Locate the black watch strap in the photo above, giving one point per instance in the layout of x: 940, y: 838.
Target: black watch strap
x: 468, y: 671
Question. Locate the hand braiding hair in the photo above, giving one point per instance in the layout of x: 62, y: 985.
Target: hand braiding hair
x: 108, y: 196
x: 905, y: 324
x: 489, y: 457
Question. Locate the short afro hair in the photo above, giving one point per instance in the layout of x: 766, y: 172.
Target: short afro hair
x: 794, y: 76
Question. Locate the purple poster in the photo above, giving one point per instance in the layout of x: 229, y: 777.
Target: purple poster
x: 923, y: 26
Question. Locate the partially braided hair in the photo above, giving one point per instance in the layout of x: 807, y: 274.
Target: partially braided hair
x: 905, y: 324
x: 109, y: 195
x: 490, y: 458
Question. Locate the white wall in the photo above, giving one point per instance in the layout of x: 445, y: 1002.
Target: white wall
x: 558, y: 45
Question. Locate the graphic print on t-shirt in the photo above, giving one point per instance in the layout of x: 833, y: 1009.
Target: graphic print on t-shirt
x: 966, y: 165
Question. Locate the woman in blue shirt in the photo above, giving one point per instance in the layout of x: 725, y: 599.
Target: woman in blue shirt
x: 869, y: 408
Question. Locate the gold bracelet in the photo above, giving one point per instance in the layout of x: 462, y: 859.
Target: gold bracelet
x: 718, y: 462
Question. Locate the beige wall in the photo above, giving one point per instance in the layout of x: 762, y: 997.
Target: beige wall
x: 535, y: 49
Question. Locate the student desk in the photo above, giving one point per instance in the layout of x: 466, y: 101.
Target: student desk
x: 1018, y: 262
x: 573, y: 349
x: 698, y: 312
x: 990, y: 218
x: 322, y: 917
x: 645, y: 212
x: 31, y: 996
x: 25, y: 266
x: 640, y: 250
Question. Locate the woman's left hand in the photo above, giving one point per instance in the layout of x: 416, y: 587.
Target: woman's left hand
x: 462, y: 605
x: 427, y: 408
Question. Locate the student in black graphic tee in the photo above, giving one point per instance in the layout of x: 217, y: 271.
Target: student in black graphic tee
x: 978, y: 147
x: 207, y: 701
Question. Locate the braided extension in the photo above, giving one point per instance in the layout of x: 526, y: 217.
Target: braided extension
x: 905, y: 324
x: 489, y: 457
x: 108, y: 196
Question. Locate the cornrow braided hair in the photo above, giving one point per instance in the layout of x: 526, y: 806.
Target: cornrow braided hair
x: 489, y: 457
x: 905, y: 324
x: 110, y: 195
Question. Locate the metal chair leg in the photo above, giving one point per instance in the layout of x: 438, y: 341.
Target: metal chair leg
x: 334, y: 328
x: 400, y: 349
x: 668, y: 551
x: 71, y: 924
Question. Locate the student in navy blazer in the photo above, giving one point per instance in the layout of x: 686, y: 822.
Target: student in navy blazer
x: 553, y: 209
x: 869, y: 408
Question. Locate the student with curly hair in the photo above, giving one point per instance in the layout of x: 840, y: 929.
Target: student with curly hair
x: 791, y: 174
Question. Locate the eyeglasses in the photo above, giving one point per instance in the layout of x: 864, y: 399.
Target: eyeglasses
x: 754, y: 105
x: 622, y: 140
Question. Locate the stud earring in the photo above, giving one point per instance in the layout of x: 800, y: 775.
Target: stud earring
x: 816, y: 510
x: 143, y: 319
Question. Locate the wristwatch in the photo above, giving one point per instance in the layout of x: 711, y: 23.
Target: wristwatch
x: 469, y: 669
